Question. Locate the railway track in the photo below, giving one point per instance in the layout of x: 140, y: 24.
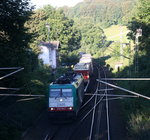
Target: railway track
x: 88, y: 124
x: 52, y: 135
x: 96, y: 107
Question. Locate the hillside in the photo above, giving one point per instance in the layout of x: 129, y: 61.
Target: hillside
x: 106, y: 12
x: 117, y: 33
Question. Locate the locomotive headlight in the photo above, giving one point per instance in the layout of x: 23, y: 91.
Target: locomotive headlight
x: 61, y: 100
x: 70, y: 108
x: 52, y: 108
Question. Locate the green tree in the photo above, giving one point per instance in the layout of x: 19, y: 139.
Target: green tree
x: 93, y: 38
x: 138, y: 110
x: 61, y: 29
x: 141, y: 20
x: 104, y: 12
x: 14, y: 38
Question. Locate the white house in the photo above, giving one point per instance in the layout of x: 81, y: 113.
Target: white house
x: 49, y: 53
x: 118, y: 65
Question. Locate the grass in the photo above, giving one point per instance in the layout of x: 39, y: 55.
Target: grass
x: 114, y: 52
x: 113, y: 33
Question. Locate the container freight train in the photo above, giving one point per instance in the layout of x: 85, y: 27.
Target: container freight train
x: 66, y: 96
x: 84, y: 69
x: 85, y: 66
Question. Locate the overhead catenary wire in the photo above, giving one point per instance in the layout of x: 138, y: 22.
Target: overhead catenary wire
x: 107, y: 110
x: 28, y: 99
x: 112, y: 95
x: 5, y: 88
x: 22, y: 95
x: 93, y: 115
x: 10, y: 68
x: 126, y: 79
x: 140, y: 95
x: 109, y: 99
x: 7, y: 75
x: 118, y: 53
x: 106, y: 89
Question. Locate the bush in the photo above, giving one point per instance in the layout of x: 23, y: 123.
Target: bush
x: 139, y: 126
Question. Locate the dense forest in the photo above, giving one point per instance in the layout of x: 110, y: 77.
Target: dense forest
x: 78, y: 29
x: 105, y: 12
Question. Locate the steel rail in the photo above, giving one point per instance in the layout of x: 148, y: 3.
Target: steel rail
x: 91, y: 109
x: 126, y: 79
x: 107, y: 110
x: 132, y: 92
x: 88, y: 100
x: 87, y: 114
x: 99, y: 108
x: 87, y: 86
x: 81, y: 121
x: 93, y: 115
x: 98, y: 122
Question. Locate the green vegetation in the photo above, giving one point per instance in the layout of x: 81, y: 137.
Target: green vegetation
x: 19, y: 48
x: 61, y: 29
x: 21, y: 31
x: 103, y: 12
x: 117, y: 33
x: 137, y: 110
x: 79, y: 29
x: 93, y: 39
x: 120, y: 48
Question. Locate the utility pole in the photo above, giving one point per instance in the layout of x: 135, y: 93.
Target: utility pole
x: 103, y: 44
x: 130, y: 56
x: 48, y: 27
x: 138, y: 34
x: 121, y: 49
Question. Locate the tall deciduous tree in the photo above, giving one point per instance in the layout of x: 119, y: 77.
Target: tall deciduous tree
x: 61, y: 28
x: 93, y: 38
x: 142, y: 20
x: 13, y: 36
x: 14, y: 39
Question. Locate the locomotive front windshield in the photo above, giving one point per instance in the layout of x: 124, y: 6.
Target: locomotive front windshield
x: 54, y: 92
x: 61, y: 93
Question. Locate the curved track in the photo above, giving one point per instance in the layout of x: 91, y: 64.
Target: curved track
x: 91, y: 122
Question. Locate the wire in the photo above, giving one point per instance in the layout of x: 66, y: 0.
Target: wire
x: 130, y: 79
x: 140, y: 95
x: 11, y: 73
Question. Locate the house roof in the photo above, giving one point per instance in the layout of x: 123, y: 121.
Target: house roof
x: 51, y: 44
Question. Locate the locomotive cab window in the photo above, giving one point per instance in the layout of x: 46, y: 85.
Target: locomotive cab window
x: 67, y: 92
x: 54, y: 92
x: 61, y: 92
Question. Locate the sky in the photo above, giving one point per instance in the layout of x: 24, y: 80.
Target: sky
x: 55, y: 3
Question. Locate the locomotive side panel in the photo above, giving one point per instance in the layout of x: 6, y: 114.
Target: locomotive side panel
x: 80, y: 95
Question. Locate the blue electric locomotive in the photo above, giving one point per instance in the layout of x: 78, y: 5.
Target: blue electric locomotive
x: 66, y: 95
